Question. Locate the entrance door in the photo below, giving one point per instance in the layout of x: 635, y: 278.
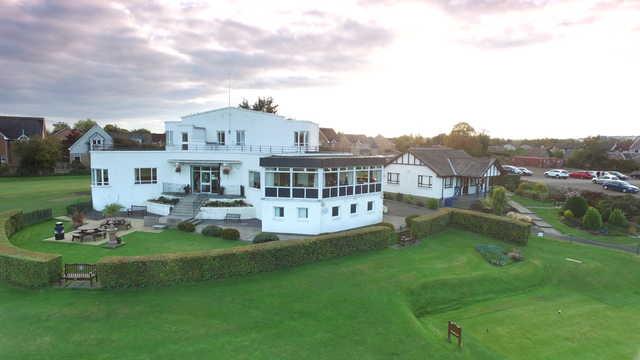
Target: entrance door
x: 206, y: 179
x: 205, y: 185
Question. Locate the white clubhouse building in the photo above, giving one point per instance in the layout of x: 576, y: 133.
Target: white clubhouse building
x: 269, y: 161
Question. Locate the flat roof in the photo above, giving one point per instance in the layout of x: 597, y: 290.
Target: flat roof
x: 321, y: 161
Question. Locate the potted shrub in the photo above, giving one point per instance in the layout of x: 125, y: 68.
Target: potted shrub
x: 77, y: 219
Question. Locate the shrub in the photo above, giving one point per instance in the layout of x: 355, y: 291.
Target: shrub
x: 212, y: 230
x: 593, y: 197
x: 499, y: 200
x: 501, y: 228
x: 433, y: 204
x: 617, y: 218
x: 77, y: 219
x: 186, y: 226
x: 83, y: 207
x: 165, y: 200
x: 568, y: 214
x: 264, y: 237
x: 578, y: 206
x: 388, y: 225
x: 508, y: 181
x: 166, y: 269
x: 230, y: 234
x: 399, y: 196
x: 592, y: 219
x: 112, y: 210
x: 410, y: 218
x: 420, y: 202
x: 23, y: 267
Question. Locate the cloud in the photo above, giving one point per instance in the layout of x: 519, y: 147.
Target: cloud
x: 108, y: 60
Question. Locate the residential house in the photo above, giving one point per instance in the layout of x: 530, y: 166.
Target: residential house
x: 17, y: 128
x: 271, y: 162
x: 439, y: 173
x: 543, y: 162
x: 92, y: 139
x: 329, y: 139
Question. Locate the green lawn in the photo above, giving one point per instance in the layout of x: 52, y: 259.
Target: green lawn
x: 137, y: 243
x: 31, y: 193
x: 359, y: 307
x: 549, y: 213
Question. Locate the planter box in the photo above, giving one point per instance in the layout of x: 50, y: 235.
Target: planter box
x: 158, y: 209
x: 219, y: 213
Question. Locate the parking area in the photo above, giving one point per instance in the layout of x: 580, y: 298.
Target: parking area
x: 573, y: 184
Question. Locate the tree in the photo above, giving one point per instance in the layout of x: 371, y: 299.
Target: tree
x: 38, y: 156
x: 84, y: 125
x: 265, y: 104
x: 115, y: 129
x: 58, y: 126
x: 463, y: 136
x: 577, y: 204
x: 617, y: 218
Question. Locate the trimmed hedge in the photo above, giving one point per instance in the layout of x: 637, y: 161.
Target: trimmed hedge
x: 230, y: 234
x: 498, y: 227
x: 212, y: 230
x: 167, y: 269
x: 264, y: 237
x: 36, y: 216
x: 24, y: 267
x: 186, y: 226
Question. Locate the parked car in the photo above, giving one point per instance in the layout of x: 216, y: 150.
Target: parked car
x: 620, y: 185
x: 525, y: 171
x: 557, y: 173
x: 620, y: 175
x: 512, y: 169
x: 603, y: 179
x: 581, y: 175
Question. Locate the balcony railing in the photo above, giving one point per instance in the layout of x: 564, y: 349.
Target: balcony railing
x: 269, y: 149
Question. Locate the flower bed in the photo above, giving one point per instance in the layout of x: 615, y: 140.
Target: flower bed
x: 226, y: 203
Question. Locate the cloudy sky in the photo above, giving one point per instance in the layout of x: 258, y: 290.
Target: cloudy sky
x: 514, y: 68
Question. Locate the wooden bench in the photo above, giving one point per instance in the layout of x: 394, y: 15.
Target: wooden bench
x: 80, y: 272
x: 232, y: 217
x: 137, y: 210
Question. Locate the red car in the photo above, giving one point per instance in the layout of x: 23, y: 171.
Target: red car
x: 581, y: 175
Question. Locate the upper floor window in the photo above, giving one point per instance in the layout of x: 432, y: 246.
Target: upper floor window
x: 96, y: 142
x: 99, y: 177
x: 351, y: 181
x: 424, y: 181
x: 169, y: 137
x: 254, y: 179
x: 146, y: 175
x: 301, y: 138
x: 393, y: 178
x: 185, y: 141
x: 291, y: 183
x: 221, y: 137
x: 240, y: 136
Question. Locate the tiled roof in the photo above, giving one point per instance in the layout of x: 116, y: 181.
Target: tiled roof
x: 452, y: 162
x: 15, y: 126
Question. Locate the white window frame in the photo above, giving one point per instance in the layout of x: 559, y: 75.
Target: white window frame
x: 278, y: 212
x: 100, y: 177
x: 241, y: 137
x: 168, y: 135
x: 301, y: 138
x: 305, y: 212
x: 221, y: 137
x: 137, y: 176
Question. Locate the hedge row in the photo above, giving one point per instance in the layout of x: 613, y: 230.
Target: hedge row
x: 36, y: 216
x: 167, y: 269
x: 23, y: 267
x: 498, y: 227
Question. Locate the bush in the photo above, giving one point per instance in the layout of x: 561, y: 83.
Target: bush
x: 498, y: 199
x: 578, y: 206
x: 166, y: 269
x: 510, y: 182
x: 568, y: 214
x: 83, y: 207
x: 617, y: 218
x: 399, y: 196
x: 592, y: 219
x: 264, y: 237
x: 77, y: 219
x: 212, y: 230
x: 388, y: 225
x: 433, y: 204
x: 498, y: 227
x: 410, y: 218
x: 112, y: 210
x: 23, y: 267
x: 186, y: 226
x: 230, y: 234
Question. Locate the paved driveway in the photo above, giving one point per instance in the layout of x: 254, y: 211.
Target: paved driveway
x: 397, y: 211
x: 572, y: 184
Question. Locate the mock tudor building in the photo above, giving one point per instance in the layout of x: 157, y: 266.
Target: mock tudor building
x: 439, y: 173
x: 270, y: 162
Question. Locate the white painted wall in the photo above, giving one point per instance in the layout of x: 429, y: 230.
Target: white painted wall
x: 409, y: 181
x: 219, y: 213
x: 320, y: 218
x: 260, y: 128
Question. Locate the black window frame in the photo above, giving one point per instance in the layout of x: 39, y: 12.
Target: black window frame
x: 335, y: 211
x: 428, y: 184
x: 370, y: 205
x: 354, y: 208
x: 390, y: 175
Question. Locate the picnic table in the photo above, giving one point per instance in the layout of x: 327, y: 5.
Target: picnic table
x: 92, y: 233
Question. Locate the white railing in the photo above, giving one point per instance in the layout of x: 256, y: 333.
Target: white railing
x: 270, y: 149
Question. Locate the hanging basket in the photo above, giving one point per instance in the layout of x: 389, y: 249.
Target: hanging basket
x: 226, y: 170
x: 178, y: 168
